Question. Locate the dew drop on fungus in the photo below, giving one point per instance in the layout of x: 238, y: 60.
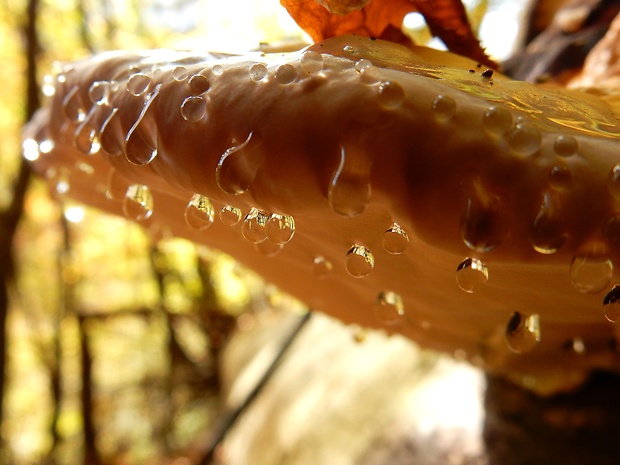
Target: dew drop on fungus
x: 359, y: 261
x: 472, y: 275
x: 138, y: 84
x: 198, y: 83
x: 591, y: 274
x: 98, y: 92
x: 389, y: 308
x: 217, y: 70
x: 395, y: 240
x: 348, y: 49
x: 141, y: 139
x: 110, y: 140
x: 560, y: 177
x: 369, y: 74
x: 199, y: 212
x: 444, y: 108
x: 547, y: 234
x: 311, y: 62
x: 485, y: 224
x: 280, y: 228
x: 180, y: 73
x: 230, y: 215
x: 268, y: 248
x: 522, y: 332
x: 497, y: 121
x: 238, y: 166
x: 193, y: 108
x: 524, y: 139
x: 254, y: 227
x: 565, y: 146
x: 391, y: 95
x: 258, y: 72
x: 349, y: 190
x: 138, y: 202
x: 116, y: 186
x: 285, y: 74
x: 72, y: 106
x: 611, y: 304
x: 321, y: 267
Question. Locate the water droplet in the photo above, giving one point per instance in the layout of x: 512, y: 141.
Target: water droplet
x: 497, y: 121
x: 485, y: 225
x: 230, y: 215
x: 238, y: 166
x: 560, y: 177
x: 258, y: 72
x: 395, y: 239
x: 254, y: 227
x: 99, y: 92
x: 86, y: 139
x: 138, y: 84
x: 522, y: 332
x: 73, y: 107
x: 141, y: 139
x: 193, y: 108
x: 217, y: 70
x: 349, y: 190
x: 117, y: 185
x: 547, y: 234
x: 138, y: 202
x: 472, y: 275
x: 614, y: 179
x: 311, y: 62
x: 285, y: 74
x: 180, y: 73
x: 389, y: 308
x: 369, y: 74
x: 321, y: 267
x: 591, y: 274
x: 444, y: 107
x: 111, y: 134
x: 280, y: 228
x: 524, y: 139
x: 391, y: 94
x: 198, y: 84
x: 199, y: 212
x: 565, y: 146
x: 359, y: 261
x: 348, y: 49
x: 611, y: 304
x: 268, y: 248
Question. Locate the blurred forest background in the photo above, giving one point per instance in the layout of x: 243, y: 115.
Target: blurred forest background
x: 109, y: 336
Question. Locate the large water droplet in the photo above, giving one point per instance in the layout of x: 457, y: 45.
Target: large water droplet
x: 138, y: 202
x: 180, y: 73
x: 369, y: 74
x: 395, y: 240
x: 389, y: 308
x: 230, y: 215
x: 359, y: 261
x: 349, y: 190
x: 391, y: 95
x: 141, y: 139
x: 98, y: 92
x: 565, y: 146
x: 591, y: 273
x: 86, y: 137
x: 611, y: 304
x: 254, y: 227
x: 321, y: 267
x: 217, y: 70
x: 497, y: 121
x: 258, y: 72
x: 280, y: 228
x: 138, y: 84
x: 199, y: 212
x: 444, y: 108
x: 472, y: 275
x: 193, y: 108
x: 524, y: 139
x: 485, y: 225
x: 560, y: 177
x: 285, y: 74
x: 72, y: 106
x: 238, y: 166
x: 522, y: 332
x: 198, y: 83
x: 311, y: 62
x: 548, y: 233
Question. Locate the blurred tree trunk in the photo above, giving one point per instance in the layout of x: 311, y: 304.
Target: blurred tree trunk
x: 10, y: 216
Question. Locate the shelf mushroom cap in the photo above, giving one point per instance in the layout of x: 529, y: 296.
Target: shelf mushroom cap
x: 410, y: 190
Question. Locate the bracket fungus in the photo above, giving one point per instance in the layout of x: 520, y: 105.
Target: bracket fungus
x: 405, y: 189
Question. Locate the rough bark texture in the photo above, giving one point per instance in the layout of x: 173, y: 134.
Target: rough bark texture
x: 577, y: 428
